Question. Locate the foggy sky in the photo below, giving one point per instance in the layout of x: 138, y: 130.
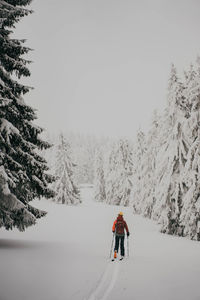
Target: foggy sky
x: 101, y: 66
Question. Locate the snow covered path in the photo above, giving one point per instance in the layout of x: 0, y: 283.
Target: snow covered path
x: 106, y: 283
x: 66, y: 257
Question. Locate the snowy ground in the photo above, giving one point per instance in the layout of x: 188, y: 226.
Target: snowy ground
x: 66, y: 257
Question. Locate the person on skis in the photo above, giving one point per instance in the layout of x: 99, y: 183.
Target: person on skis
x: 118, y: 228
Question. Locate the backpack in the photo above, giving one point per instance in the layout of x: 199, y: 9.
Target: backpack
x: 120, y: 227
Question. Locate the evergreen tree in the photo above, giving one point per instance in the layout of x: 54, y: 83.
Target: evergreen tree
x: 119, y: 177
x: 83, y: 152
x: 23, y: 171
x: 65, y: 188
x: 171, y: 161
x: 139, y: 150
x: 190, y: 215
x: 148, y: 163
x: 99, y: 178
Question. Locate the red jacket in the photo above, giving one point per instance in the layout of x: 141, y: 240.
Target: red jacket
x: 119, y: 225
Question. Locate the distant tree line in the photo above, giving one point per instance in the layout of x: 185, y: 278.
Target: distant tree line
x: 159, y: 175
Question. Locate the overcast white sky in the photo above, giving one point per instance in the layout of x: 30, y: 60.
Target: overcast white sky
x: 101, y: 66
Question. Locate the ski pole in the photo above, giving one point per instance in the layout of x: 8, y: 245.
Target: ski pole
x: 112, y: 245
x: 127, y: 246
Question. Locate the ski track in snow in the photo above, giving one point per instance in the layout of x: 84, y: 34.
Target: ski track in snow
x: 106, y: 283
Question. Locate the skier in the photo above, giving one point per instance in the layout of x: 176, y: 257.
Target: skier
x: 118, y: 228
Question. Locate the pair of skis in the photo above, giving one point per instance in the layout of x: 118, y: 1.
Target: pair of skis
x: 113, y: 259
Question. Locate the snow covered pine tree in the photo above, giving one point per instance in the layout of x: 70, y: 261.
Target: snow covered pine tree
x: 99, y: 178
x: 148, y: 166
x: 139, y: 150
x: 171, y: 161
x: 190, y: 213
x: 22, y: 170
x: 65, y: 188
x: 119, y: 174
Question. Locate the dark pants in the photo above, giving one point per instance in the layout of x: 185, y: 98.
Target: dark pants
x: 119, y: 239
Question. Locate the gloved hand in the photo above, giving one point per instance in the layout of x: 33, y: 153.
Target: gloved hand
x: 128, y: 233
